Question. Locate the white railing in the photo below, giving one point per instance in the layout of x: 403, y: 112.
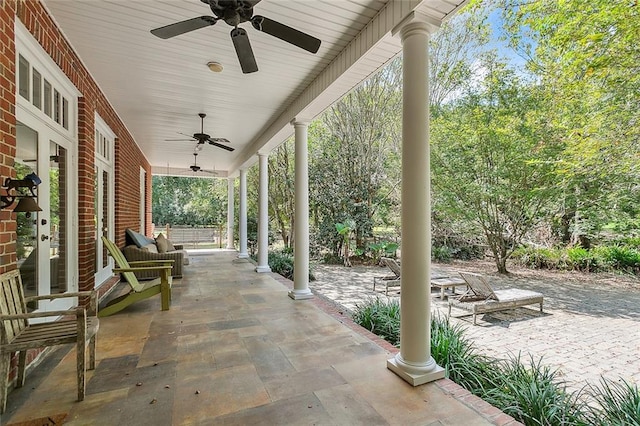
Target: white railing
x: 195, y: 237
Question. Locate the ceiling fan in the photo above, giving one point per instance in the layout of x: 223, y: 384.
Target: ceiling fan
x: 235, y: 12
x: 195, y: 168
x: 202, y: 137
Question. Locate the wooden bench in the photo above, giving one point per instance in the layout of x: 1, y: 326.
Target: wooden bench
x: 77, y: 325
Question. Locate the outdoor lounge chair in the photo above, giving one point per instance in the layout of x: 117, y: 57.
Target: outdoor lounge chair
x: 388, y: 280
x: 481, y: 298
x: 138, y: 291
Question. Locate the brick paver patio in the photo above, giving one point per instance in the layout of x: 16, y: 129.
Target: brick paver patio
x: 590, y: 327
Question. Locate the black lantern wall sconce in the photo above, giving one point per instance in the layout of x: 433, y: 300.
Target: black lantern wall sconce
x: 26, y: 203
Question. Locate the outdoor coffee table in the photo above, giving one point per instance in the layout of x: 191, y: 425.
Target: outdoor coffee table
x: 448, y: 282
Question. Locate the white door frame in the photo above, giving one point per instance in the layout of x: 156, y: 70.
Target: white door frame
x: 104, y: 161
x: 143, y: 200
x: 51, y: 130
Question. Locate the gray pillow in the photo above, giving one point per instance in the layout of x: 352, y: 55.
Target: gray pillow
x: 138, y: 239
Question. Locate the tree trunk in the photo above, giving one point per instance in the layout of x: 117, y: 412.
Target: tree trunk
x: 501, y: 263
x: 347, y: 261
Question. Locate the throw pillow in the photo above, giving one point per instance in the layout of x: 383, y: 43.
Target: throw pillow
x: 138, y: 239
x: 170, y: 246
x: 162, y: 243
x: 151, y: 248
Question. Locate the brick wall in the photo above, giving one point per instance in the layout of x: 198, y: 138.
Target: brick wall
x: 128, y: 157
x: 7, y: 128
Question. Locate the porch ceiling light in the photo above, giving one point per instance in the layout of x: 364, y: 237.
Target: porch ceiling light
x: 215, y: 66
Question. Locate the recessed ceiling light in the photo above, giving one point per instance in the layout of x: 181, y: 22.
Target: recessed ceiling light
x: 215, y: 66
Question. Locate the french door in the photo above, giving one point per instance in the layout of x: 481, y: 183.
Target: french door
x: 104, y: 195
x: 44, y: 237
x: 46, y: 144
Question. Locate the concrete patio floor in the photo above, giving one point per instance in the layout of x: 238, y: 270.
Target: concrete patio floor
x: 590, y: 326
x: 234, y: 349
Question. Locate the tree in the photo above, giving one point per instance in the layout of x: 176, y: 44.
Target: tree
x: 586, y: 56
x: 282, y: 191
x: 188, y: 201
x: 493, y: 158
x: 453, y: 50
x: 354, y: 144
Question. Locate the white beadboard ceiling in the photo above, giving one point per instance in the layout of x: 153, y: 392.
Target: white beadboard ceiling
x: 158, y: 86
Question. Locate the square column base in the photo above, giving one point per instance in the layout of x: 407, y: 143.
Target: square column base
x: 243, y: 255
x: 261, y: 269
x: 300, y: 294
x: 416, y: 379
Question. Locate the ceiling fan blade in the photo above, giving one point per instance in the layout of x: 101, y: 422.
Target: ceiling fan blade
x: 219, y: 145
x: 182, y: 27
x: 220, y: 140
x: 244, y: 51
x: 286, y: 33
x: 179, y: 140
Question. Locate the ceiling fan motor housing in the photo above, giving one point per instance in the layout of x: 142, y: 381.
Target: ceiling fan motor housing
x: 230, y: 11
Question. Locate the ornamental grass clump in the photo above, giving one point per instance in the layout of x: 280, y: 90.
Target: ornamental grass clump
x: 530, y: 392
x: 616, y: 403
x: 533, y: 394
x: 380, y: 317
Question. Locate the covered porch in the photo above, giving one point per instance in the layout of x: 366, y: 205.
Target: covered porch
x: 234, y: 349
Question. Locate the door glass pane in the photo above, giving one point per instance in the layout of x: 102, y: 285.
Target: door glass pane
x: 96, y: 218
x: 65, y: 113
x: 58, y: 207
x: 105, y: 213
x: 56, y: 106
x: 27, y: 230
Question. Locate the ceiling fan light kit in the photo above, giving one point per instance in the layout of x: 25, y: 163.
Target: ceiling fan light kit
x: 215, y: 66
x: 235, y: 12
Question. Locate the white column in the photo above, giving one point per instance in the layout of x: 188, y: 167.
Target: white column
x: 230, y: 214
x: 263, y: 215
x: 243, y: 215
x: 414, y: 362
x: 301, y: 231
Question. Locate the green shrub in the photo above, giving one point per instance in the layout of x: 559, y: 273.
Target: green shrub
x: 532, y: 394
x: 631, y: 242
x: 539, y: 258
x: 441, y: 254
x: 383, y: 248
x: 616, y: 257
x: 617, y: 403
x: 457, y: 354
x: 332, y: 259
x: 282, y: 263
x: 380, y: 317
x: 619, y: 257
x: 580, y: 259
